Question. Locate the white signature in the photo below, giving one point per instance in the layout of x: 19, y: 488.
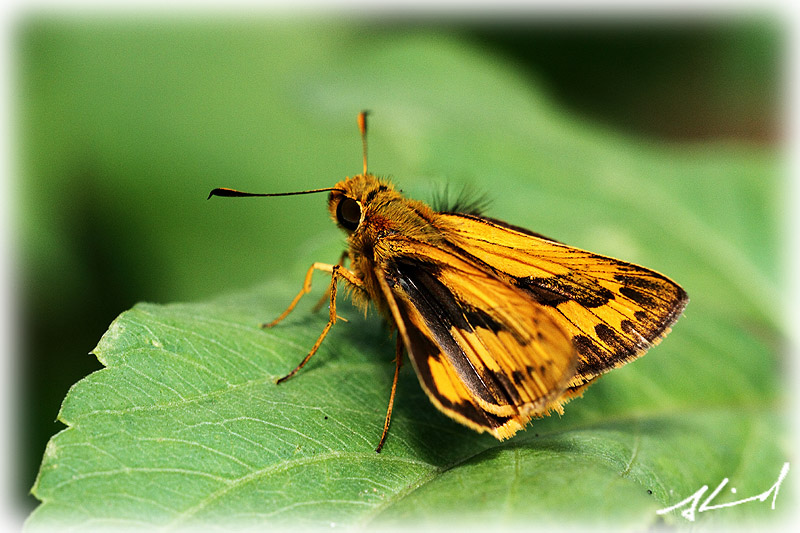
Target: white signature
x: 694, y: 506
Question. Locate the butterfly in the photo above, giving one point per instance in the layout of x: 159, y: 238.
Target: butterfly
x: 501, y: 324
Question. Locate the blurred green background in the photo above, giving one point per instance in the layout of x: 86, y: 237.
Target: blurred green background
x: 125, y: 124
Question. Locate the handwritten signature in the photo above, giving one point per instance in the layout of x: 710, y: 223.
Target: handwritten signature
x: 693, y: 505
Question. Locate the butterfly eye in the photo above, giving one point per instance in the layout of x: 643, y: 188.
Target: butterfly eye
x: 348, y: 213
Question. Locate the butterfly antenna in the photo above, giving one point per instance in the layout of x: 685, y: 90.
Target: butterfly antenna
x: 362, y: 127
x: 224, y: 191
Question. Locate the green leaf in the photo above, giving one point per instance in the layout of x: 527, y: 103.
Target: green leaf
x: 186, y: 426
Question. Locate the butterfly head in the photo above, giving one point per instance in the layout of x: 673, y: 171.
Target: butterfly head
x: 352, y: 198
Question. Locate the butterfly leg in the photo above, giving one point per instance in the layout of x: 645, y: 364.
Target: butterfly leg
x: 402, y: 340
x: 336, y: 272
x: 398, y: 363
x: 321, y: 302
x: 323, y: 267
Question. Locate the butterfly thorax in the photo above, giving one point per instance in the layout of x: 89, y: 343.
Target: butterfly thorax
x: 373, y: 213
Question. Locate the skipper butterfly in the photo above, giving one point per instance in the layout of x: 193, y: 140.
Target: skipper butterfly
x: 501, y: 324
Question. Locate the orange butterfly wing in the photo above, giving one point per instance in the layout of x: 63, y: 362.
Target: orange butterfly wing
x: 484, y: 351
x: 505, y: 325
x: 613, y: 310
